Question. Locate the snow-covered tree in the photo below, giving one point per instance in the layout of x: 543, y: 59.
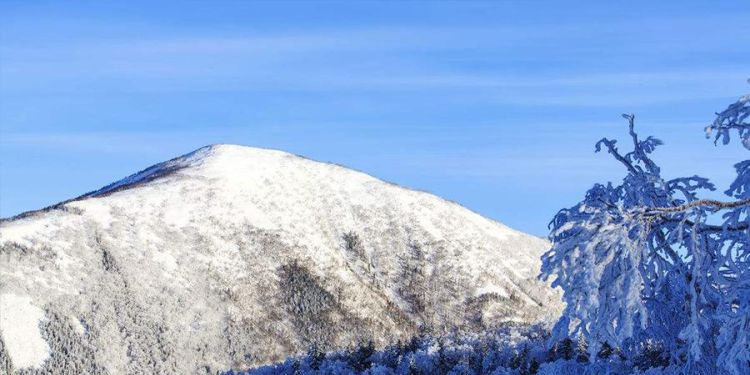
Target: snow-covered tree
x: 648, y: 264
x: 413, y: 274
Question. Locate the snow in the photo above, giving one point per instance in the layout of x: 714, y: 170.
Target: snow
x: 492, y: 289
x: 165, y: 259
x: 96, y: 209
x: 200, y: 238
x: 19, y: 326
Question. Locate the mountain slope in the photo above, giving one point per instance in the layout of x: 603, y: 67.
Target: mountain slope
x: 233, y: 256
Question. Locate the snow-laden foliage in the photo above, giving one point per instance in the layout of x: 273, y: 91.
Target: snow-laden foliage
x: 735, y: 117
x: 647, y: 263
x: 510, y: 350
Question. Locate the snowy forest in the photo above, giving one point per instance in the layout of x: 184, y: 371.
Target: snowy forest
x: 655, y: 278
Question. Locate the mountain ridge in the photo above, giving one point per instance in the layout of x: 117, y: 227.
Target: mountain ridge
x: 172, y: 165
x: 278, y: 252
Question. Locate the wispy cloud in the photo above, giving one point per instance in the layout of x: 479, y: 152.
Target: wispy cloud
x: 377, y: 58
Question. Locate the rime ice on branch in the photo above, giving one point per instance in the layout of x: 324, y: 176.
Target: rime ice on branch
x: 646, y: 265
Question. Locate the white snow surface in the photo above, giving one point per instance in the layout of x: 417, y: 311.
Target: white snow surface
x: 179, y: 267
x: 19, y: 329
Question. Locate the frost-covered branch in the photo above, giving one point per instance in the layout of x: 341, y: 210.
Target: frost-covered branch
x: 639, y: 264
x: 735, y: 117
x: 713, y: 204
x: 612, y: 149
x: 710, y: 228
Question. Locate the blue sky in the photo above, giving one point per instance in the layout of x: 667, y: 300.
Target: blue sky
x: 495, y: 105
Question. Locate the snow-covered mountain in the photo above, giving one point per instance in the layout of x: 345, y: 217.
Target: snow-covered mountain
x: 233, y: 256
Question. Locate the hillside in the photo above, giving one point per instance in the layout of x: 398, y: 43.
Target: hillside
x: 232, y: 256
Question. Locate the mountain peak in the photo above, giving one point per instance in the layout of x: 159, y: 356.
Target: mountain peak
x: 255, y: 254
x: 215, y: 159
x: 220, y: 149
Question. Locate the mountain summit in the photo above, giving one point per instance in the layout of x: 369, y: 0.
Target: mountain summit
x: 232, y: 256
